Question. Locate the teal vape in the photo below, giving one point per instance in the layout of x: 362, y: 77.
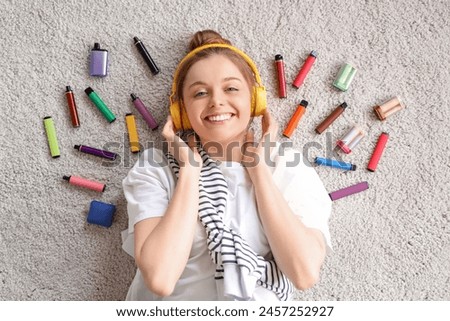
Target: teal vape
x: 100, y: 104
x: 344, y: 77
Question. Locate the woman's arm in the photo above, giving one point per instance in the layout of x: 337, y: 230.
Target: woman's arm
x: 163, y: 245
x: 298, y: 250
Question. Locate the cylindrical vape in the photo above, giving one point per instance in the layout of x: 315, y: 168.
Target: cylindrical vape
x: 144, y: 53
x: 301, y: 109
x: 100, y: 104
x: 378, y: 151
x: 72, y: 107
x: 151, y: 122
x: 344, y: 77
x: 132, y: 133
x: 331, y: 118
x: 305, y: 69
x: 96, y: 152
x: 349, y: 191
x: 281, y: 76
x: 389, y: 108
x: 51, y: 136
x: 98, y: 66
x: 334, y: 163
x: 83, y: 182
x: 351, y: 140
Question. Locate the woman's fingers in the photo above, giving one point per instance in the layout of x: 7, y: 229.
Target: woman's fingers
x: 168, y: 130
x: 192, y: 141
x: 250, y: 137
x: 269, y: 127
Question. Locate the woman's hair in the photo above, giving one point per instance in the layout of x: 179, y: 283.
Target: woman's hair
x: 206, y: 37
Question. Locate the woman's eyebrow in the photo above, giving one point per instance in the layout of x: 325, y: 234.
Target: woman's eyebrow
x: 197, y: 83
x: 231, y: 78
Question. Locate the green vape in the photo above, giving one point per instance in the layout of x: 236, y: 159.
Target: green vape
x: 345, y: 77
x: 100, y: 104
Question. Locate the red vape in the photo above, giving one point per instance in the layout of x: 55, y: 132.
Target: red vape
x: 72, y: 107
x: 378, y: 151
x: 281, y: 76
x: 305, y: 69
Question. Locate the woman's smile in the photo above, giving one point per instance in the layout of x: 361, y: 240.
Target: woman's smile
x: 218, y: 119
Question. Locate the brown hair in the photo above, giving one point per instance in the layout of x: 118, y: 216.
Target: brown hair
x: 205, y: 37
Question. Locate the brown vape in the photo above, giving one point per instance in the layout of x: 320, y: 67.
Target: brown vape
x: 331, y: 118
x: 389, y: 108
x: 72, y: 107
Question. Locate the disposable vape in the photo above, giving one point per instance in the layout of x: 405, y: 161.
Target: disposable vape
x: 145, y: 54
x: 101, y: 106
x: 293, y: 122
x: 98, y: 66
x: 72, y: 107
x: 305, y: 69
x: 331, y: 118
x: 151, y: 122
x: 132, y: 133
x: 51, y: 136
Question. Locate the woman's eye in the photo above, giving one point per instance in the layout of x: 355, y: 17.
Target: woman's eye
x: 200, y: 94
x: 232, y: 89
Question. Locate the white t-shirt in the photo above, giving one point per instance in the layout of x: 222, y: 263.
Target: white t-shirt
x: 149, y: 187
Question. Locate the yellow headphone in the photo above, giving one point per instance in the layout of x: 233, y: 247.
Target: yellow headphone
x: 178, y: 112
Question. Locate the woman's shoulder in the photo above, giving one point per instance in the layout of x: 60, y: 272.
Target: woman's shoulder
x: 286, y: 155
x: 153, y: 156
x: 152, y: 162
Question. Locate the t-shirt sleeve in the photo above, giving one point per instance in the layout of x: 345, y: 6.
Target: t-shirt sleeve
x: 304, y: 191
x: 147, y: 187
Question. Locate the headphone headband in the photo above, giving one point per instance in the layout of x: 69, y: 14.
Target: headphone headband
x: 213, y: 45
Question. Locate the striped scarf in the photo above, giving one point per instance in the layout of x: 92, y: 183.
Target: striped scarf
x: 236, y: 262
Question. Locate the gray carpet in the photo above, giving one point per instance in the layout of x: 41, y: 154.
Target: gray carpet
x: 391, y: 242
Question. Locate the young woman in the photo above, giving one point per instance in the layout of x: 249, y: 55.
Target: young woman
x: 223, y: 216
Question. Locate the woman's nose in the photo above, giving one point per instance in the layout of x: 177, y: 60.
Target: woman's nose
x: 217, y: 99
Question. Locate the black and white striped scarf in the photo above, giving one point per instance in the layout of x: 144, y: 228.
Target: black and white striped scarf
x: 236, y: 262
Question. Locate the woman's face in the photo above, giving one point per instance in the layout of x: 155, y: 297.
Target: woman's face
x: 217, y: 99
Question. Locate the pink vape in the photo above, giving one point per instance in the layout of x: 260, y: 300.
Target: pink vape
x: 83, y: 182
x: 350, y: 140
x: 305, y: 69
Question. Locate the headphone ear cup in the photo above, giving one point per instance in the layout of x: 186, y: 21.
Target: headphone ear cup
x: 259, y: 100
x: 185, y: 123
x: 179, y: 116
x: 175, y: 113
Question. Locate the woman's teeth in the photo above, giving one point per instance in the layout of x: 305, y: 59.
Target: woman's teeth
x: 222, y: 117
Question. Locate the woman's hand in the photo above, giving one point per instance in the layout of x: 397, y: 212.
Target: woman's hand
x: 257, y: 155
x: 186, y: 155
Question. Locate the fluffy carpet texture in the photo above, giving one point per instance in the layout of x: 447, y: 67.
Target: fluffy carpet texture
x: 391, y: 242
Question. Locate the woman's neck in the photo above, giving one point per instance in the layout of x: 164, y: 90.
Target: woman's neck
x: 226, y: 151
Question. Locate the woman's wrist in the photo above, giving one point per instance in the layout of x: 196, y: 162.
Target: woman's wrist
x: 190, y: 170
x: 259, y: 173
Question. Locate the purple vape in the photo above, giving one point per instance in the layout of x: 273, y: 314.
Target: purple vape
x: 144, y: 112
x: 98, y: 66
x: 349, y: 191
x: 96, y: 152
